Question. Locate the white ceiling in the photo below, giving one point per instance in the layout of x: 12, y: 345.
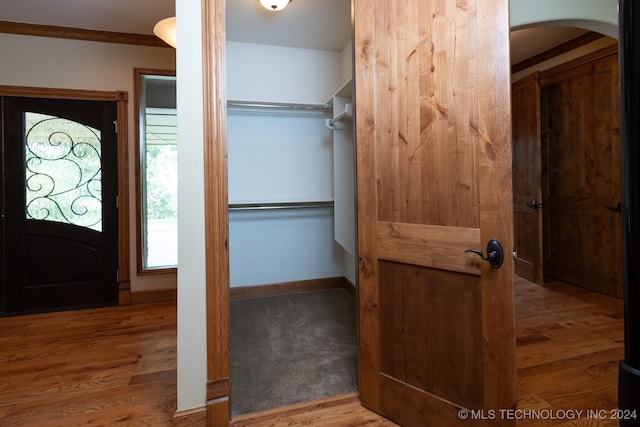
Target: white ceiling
x: 313, y: 24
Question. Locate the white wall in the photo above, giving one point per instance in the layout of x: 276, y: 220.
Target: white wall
x: 262, y: 73
x: 600, y: 16
x: 192, y: 324
x: 74, y: 64
x: 283, y: 156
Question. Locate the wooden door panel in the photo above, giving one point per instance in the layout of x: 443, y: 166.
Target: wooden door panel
x: 527, y: 178
x: 417, y: 305
x: 407, y: 406
x: 573, y: 261
x: 429, y: 245
x: 434, y: 179
x: 582, y: 185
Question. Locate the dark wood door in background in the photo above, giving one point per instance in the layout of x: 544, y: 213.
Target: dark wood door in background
x: 436, y: 324
x: 527, y: 179
x: 59, y: 204
x: 582, y: 182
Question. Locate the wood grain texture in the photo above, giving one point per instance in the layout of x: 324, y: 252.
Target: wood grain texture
x: 258, y: 291
x: 191, y: 418
x: 570, y: 341
x: 582, y: 182
x: 366, y: 177
x: 109, y: 366
x: 527, y: 178
x: 216, y: 201
x: 434, y: 179
x: 116, y: 366
x: 80, y: 34
x: 417, y: 307
x: 430, y: 246
x: 344, y: 410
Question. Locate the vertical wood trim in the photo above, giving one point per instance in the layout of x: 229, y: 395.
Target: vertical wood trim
x: 496, y: 211
x: 531, y: 269
x: 124, y: 247
x: 367, y: 295
x: 216, y: 212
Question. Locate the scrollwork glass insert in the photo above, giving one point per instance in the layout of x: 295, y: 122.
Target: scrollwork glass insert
x: 63, y: 171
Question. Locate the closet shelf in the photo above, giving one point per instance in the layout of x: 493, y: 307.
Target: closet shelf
x: 279, y: 205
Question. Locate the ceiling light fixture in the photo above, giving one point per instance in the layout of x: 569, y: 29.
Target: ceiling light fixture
x: 166, y: 30
x: 274, y: 5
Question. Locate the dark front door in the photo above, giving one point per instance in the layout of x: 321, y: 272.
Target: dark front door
x: 59, y: 207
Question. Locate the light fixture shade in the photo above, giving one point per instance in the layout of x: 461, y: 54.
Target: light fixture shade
x: 166, y: 30
x: 274, y: 5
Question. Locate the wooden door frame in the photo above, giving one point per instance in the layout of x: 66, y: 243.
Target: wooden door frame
x: 121, y: 99
x: 216, y: 214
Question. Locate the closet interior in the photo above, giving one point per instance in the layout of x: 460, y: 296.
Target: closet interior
x: 291, y: 222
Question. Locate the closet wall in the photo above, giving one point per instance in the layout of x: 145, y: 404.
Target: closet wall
x: 281, y: 152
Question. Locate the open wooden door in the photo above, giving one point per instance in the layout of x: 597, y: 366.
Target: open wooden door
x: 527, y: 179
x: 436, y: 324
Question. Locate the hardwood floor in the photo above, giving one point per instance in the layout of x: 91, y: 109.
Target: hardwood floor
x: 116, y: 366
x: 569, y: 343
x: 109, y: 366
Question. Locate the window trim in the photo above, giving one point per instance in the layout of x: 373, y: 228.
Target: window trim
x: 138, y: 73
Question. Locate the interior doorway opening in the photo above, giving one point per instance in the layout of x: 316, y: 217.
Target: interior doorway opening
x: 557, y: 131
x: 291, y: 205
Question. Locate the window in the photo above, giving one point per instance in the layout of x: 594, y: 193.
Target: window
x: 157, y: 229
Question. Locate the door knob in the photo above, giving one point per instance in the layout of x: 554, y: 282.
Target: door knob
x: 534, y: 205
x: 495, y: 253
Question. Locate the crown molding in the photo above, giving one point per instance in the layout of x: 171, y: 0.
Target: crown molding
x: 80, y: 34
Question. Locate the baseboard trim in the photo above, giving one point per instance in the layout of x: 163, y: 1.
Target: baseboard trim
x: 245, y: 292
x: 263, y: 417
x: 124, y: 293
x: 155, y: 295
x: 350, y: 286
x: 196, y: 417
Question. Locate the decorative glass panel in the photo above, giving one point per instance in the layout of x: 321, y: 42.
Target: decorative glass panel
x: 63, y: 171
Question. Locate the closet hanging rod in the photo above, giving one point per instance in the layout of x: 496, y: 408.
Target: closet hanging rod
x: 283, y: 205
x: 276, y: 105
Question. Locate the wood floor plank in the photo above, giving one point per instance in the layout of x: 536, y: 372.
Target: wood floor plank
x: 108, y: 366
x: 116, y: 366
x: 570, y: 341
